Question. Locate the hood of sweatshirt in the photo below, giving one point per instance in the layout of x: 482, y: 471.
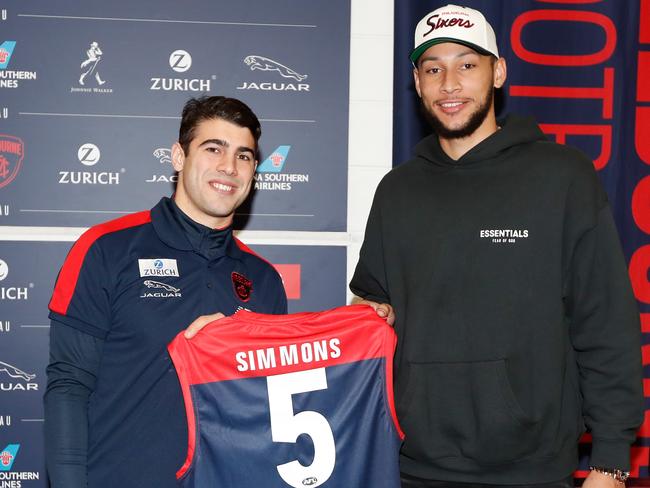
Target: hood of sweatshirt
x: 514, y: 131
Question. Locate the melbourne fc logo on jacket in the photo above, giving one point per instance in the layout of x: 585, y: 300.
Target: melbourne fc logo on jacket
x: 243, y: 286
x: 12, y: 151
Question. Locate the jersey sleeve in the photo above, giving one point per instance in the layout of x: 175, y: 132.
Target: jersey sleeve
x: 81, y: 297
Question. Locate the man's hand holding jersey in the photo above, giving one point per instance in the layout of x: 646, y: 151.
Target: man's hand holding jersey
x: 201, y: 322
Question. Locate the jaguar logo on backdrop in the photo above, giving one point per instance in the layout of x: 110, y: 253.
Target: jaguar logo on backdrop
x: 164, y: 172
x: 279, y: 78
x: 13, y: 378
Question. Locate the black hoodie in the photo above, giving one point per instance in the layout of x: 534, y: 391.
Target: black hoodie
x: 517, y: 326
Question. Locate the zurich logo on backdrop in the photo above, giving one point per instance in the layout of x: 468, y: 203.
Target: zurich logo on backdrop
x: 180, y: 61
x: 4, y: 270
x: 262, y: 63
x: 89, y: 155
x: 12, y: 292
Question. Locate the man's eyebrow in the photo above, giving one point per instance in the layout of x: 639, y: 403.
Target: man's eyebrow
x: 222, y: 143
x: 218, y: 142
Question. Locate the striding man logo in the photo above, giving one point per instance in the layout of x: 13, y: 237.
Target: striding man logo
x: 89, y: 66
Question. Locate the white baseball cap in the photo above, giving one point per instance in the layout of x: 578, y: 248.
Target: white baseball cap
x: 452, y: 23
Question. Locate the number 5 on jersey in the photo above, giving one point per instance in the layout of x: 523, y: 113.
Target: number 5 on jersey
x: 287, y: 426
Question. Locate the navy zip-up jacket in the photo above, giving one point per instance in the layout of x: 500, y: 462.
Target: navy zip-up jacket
x: 113, y: 407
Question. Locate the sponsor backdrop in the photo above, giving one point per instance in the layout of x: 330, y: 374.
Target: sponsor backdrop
x: 90, y: 97
x: 92, y: 92
x: 582, y: 68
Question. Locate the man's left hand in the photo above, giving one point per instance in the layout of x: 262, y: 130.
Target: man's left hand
x: 201, y: 322
x: 600, y: 480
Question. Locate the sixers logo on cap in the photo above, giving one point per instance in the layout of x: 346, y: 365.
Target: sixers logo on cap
x: 12, y: 151
x: 243, y: 286
x: 452, y: 23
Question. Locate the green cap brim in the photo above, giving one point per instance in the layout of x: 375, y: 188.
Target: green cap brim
x: 417, y: 52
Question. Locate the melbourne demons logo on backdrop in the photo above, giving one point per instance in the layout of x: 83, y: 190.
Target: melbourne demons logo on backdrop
x: 12, y: 152
x: 243, y: 286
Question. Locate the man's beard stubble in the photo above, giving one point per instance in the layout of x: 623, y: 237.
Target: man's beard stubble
x: 474, y: 122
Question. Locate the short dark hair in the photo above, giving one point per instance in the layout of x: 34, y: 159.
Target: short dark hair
x: 203, y: 108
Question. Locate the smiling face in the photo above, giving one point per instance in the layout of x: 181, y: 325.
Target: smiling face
x: 216, y: 174
x: 456, y: 85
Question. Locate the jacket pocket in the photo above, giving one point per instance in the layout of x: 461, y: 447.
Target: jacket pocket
x: 464, y: 410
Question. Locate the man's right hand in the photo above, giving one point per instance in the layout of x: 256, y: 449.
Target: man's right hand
x: 384, y: 310
x: 201, y: 322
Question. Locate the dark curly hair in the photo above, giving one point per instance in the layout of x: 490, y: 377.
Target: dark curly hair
x: 204, y: 108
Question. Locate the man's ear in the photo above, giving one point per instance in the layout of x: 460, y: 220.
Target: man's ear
x: 500, y: 72
x: 178, y: 157
x: 416, y: 79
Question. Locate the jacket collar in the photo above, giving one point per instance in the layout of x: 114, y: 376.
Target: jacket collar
x: 180, y: 232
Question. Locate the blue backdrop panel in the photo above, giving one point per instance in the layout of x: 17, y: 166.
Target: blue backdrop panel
x: 93, y: 89
x: 27, y: 274
x: 320, y: 271
x: 582, y: 69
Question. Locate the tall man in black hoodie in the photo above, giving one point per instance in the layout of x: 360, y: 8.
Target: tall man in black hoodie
x: 517, y: 327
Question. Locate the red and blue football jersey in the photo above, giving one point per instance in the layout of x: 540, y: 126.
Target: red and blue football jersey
x: 290, y: 401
